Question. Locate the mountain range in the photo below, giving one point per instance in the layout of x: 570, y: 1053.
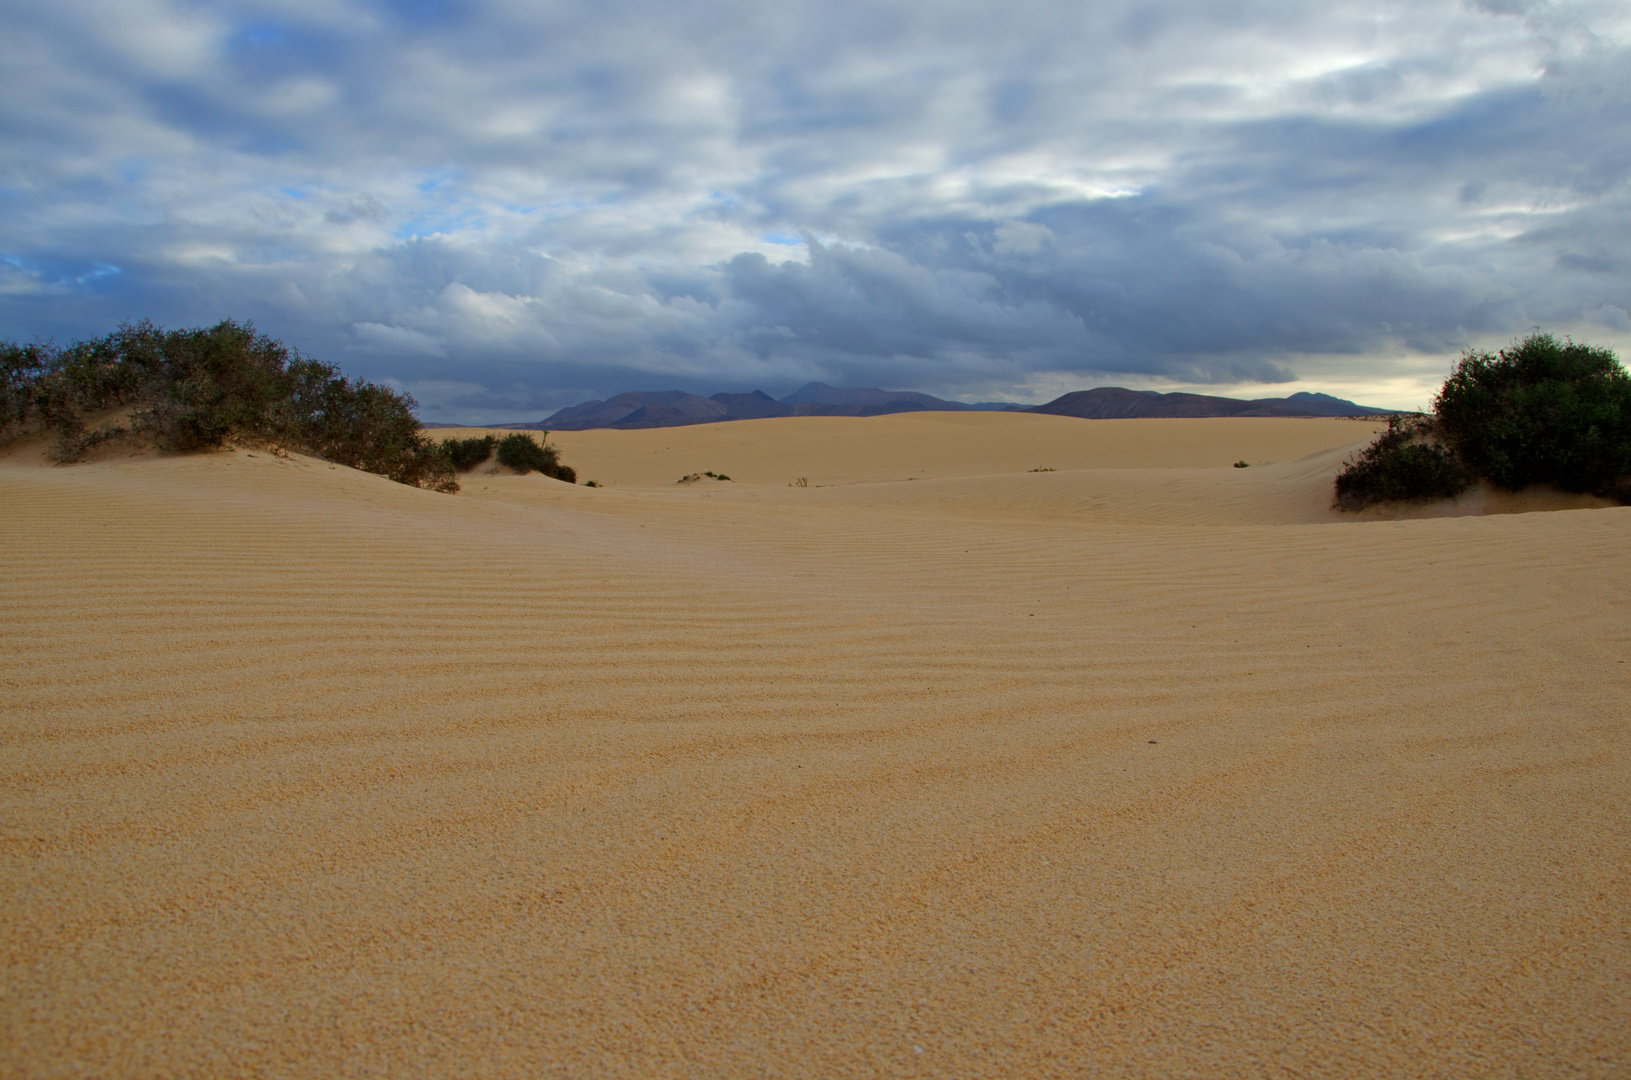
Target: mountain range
x: 674, y: 408
x: 1115, y: 403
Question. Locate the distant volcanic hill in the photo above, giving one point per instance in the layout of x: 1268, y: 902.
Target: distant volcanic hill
x: 1115, y: 403
x: 639, y: 409
x: 819, y: 399
x: 1308, y: 404
x: 674, y: 408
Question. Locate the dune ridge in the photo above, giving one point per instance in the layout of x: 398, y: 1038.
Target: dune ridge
x: 983, y: 773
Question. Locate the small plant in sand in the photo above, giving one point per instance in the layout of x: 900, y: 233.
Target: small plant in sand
x: 1541, y: 411
x: 1243, y: 464
x: 803, y: 481
x: 198, y: 388
x: 521, y: 453
x: 1044, y: 469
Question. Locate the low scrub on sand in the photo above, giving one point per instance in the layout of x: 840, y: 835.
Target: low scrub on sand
x: 521, y: 453
x: 1407, y: 462
x: 466, y: 454
x: 1541, y: 411
x: 195, y: 389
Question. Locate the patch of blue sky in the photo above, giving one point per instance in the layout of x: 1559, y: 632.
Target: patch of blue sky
x: 269, y: 143
x: 571, y: 206
x: 61, y: 272
x: 789, y: 239
x: 256, y: 34
x: 438, y: 225
x: 294, y: 192
x: 273, y: 256
x: 434, y: 180
x: 97, y: 272
x: 425, y: 12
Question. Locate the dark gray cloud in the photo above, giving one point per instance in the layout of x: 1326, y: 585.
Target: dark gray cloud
x: 512, y: 206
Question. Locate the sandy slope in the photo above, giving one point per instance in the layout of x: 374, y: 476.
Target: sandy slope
x: 1144, y: 767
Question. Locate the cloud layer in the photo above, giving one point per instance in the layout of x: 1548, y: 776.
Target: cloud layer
x: 508, y: 207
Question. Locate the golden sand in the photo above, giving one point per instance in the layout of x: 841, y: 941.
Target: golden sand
x: 1143, y: 767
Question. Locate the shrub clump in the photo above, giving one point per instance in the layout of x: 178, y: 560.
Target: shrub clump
x: 1541, y: 411
x: 524, y: 455
x: 466, y: 454
x: 195, y: 389
x: 1407, y: 463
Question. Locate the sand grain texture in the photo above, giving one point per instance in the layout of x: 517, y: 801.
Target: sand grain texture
x: 1145, y: 767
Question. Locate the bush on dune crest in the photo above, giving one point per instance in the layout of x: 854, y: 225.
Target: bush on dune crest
x: 195, y: 389
x: 516, y: 451
x: 466, y: 454
x: 1542, y: 411
x: 522, y: 454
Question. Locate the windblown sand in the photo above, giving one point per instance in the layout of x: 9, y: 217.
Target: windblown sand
x: 1143, y: 767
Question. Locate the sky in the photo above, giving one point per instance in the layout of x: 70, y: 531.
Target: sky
x: 507, y: 207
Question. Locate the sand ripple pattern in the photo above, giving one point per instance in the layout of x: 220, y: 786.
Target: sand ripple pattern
x: 308, y: 774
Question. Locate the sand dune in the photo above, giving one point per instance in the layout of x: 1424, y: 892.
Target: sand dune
x: 1145, y: 767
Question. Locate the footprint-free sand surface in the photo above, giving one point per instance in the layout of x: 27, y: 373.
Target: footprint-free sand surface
x: 935, y: 766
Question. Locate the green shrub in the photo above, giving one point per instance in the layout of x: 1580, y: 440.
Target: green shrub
x: 1406, y: 463
x: 522, y: 454
x: 195, y: 389
x: 20, y: 369
x: 213, y: 384
x: 466, y: 454
x: 369, y: 427
x: 1542, y: 411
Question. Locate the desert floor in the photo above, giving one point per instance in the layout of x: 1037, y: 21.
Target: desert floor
x: 935, y: 766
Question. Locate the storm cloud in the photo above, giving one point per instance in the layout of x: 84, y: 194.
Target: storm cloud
x: 508, y: 207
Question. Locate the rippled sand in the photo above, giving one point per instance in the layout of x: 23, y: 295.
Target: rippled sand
x: 1146, y: 766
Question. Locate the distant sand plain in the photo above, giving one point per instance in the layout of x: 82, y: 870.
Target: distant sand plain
x: 1143, y: 767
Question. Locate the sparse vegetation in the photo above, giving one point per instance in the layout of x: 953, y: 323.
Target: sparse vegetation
x: 1541, y: 411
x: 1243, y: 464
x: 522, y: 453
x: 1044, y: 469
x: 803, y: 482
x: 195, y: 389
